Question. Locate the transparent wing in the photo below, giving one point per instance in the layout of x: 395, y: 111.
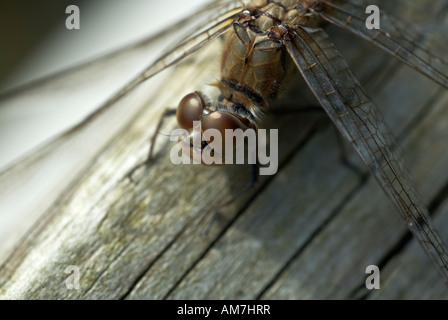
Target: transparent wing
x: 395, y: 37
x: 96, y: 85
x: 359, y: 121
x: 219, y: 16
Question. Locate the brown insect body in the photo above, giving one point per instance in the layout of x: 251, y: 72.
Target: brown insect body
x: 254, y: 67
x: 254, y: 63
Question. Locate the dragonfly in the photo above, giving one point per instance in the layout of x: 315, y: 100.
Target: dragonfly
x: 294, y: 29
x: 302, y: 39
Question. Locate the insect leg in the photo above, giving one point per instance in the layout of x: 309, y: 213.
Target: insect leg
x: 167, y: 113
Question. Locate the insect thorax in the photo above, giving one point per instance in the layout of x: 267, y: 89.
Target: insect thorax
x: 254, y: 63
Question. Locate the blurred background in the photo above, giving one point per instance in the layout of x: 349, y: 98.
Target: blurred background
x: 36, y: 43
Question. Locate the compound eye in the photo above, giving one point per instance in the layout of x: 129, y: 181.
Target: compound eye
x: 190, y: 109
x: 221, y: 121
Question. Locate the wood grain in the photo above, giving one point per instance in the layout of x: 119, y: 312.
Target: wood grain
x: 308, y: 232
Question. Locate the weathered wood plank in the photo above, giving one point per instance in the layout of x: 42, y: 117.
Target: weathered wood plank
x: 281, y: 220
x: 411, y: 264
x: 428, y: 166
x: 307, y: 232
x: 107, y: 169
x: 41, y: 178
x: 359, y: 234
x: 333, y: 262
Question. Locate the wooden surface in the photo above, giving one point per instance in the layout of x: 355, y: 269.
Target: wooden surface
x: 308, y: 232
